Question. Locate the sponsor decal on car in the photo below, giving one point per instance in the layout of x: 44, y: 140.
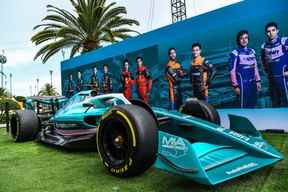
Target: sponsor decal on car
x: 233, y: 133
x: 173, y: 146
x: 241, y: 168
x: 240, y: 136
x: 259, y: 144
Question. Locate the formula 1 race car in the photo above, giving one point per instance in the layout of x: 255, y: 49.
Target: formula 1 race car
x: 131, y: 137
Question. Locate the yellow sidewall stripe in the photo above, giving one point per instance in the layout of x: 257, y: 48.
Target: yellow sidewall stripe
x: 130, y: 126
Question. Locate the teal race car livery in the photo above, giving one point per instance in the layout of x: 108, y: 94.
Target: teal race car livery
x: 131, y: 136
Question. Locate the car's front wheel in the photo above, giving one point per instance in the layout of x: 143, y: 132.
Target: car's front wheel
x: 127, y: 140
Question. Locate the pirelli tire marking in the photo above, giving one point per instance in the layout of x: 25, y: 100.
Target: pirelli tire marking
x: 123, y: 168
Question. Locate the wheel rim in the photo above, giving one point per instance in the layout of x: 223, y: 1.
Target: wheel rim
x: 116, y: 141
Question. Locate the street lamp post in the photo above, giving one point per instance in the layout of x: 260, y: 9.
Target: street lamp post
x: 51, y: 73
x: 10, y: 75
x: 30, y: 89
x: 3, y: 60
x: 37, y: 81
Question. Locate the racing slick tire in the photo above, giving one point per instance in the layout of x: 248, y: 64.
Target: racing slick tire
x: 127, y: 140
x: 24, y: 125
x: 200, y: 109
x: 145, y: 106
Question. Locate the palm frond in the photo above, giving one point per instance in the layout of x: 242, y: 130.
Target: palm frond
x: 93, y: 22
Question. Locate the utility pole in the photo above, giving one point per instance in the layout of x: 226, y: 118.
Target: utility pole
x: 35, y: 94
x: 10, y: 75
x: 3, y: 60
x: 37, y: 85
x: 30, y: 88
x: 178, y: 10
x: 51, y: 74
x: 6, y: 83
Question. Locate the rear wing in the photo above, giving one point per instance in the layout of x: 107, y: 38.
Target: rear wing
x: 38, y: 103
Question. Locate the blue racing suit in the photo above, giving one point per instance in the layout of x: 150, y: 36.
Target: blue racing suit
x: 274, y: 56
x: 244, y: 74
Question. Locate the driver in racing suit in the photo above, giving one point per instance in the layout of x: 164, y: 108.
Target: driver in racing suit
x: 94, y: 83
x: 143, y: 80
x: 244, y: 72
x: 70, y: 87
x: 79, y: 82
x: 107, y: 81
x: 127, y: 80
x: 201, y: 73
x: 274, y: 56
x: 174, y: 75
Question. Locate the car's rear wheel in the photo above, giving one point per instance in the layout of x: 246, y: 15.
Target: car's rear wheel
x: 127, y: 140
x: 24, y: 125
x: 200, y: 109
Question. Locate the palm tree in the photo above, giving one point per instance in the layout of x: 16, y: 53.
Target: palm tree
x: 3, y: 92
x: 48, y: 90
x: 93, y: 23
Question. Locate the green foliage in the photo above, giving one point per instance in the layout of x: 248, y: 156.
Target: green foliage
x: 3, y: 92
x: 13, y: 105
x: 48, y: 90
x: 92, y: 23
x: 20, y: 98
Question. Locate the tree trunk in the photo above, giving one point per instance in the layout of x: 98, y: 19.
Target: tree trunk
x: 90, y: 45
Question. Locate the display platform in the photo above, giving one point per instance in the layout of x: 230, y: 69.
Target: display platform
x: 266, y: 119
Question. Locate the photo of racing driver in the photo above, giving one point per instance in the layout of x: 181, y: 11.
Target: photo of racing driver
x: 127, y: 80
x: 174, y: 75
x: 106, y: 80
x: 274, y: 57
x: 244, y: 74
x: 70, y: 86
x: 201, y: 73
x: 79, y: 84
x: 143, y: 80
x: 94, y: 82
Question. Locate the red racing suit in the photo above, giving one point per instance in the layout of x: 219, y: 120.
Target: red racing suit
x: 127, y: 81
x: 144, y: 83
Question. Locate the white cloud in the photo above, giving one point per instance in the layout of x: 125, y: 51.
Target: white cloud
x: 17, y: 57
x: 25, y: 70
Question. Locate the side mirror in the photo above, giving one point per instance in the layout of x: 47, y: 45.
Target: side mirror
x: 89, y: 105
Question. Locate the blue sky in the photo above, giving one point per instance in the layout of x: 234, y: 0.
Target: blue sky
x: 18, y: 17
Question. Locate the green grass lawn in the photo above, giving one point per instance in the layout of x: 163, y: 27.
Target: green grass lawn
x: 35, y: 167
